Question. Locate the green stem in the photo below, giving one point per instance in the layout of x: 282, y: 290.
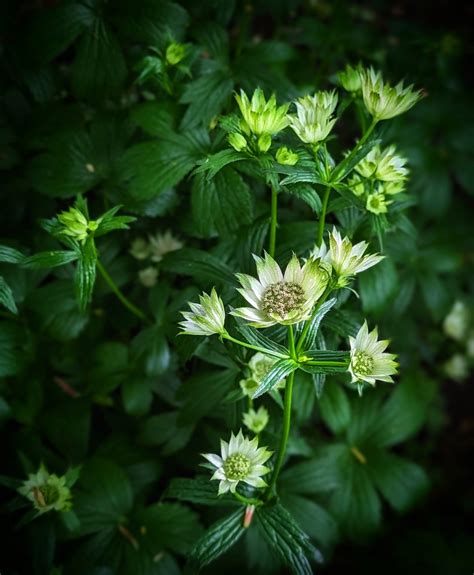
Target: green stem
x: 273, y: 222
x: 247, y: 500
x: 255, y: 347
x: 286, y: 419
x: 304, y: 333
x: 354, y: 151
x: 113, y: 286
x: 322, y: 218
x: 327, y: 363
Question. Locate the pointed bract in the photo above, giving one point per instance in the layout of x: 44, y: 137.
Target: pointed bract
x: 206, y: 317
x: 314, y: 118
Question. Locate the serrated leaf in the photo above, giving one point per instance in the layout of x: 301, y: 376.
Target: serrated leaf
x: 198, y: 264
x: 10, y: 255
x: 306, y: 193
x: 316, y: 322
x: 200, y: 490
x: 378, y: 286
x: 255, y: 337
x: 214, y: 163
x: 6, y: 296
x: 84, y: 278
x: 50, y: 259
x: 279, y: 371
x: 217, y: 540
x: 11, y: 354
x: 287, y: 539
x: 335, y: 408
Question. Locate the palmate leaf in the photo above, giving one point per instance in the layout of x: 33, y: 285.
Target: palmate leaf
x: 218, y: 539
x: 279, y: 371
x: 287, y: 539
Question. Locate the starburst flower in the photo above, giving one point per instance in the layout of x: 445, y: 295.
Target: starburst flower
x: 368, y: 360
x: 286, y: 157
x: 350, y: 79
x: 46, y: 491
x: 260, y: 116
x: 281, y: 298
x: 206, y: 317
x: 148, y: 276
x: 314, y: 117
x: 377, y: 203
x: 384, y: 101
x: 162, y: 244
x: 241, y: 460
x: 345, y: 259
x: 256, y: 421
x: 383, y: 164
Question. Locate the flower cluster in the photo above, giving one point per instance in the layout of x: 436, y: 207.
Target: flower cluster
x: 153, y: 249
x: 76, y: 225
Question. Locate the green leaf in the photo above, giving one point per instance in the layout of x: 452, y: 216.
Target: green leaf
x: 401, y: 482
x: 215, y: 162
x: 217, y: 540
x: 6, y: 296
x: 342, y: 323
x: 49, y: 259
x: 103, y: 496
x: 165, y: 429
x: 67, y: 426
x: 279, y: 371
x: 200, y: 490
x: 330, y: 361
x: 84, y: 278
x: 198, y: 264
x: 11, y: 354
x: 316, y: 320
x: 306, y: 193
x: 99, y: 69
x: 154, y: 118
x: 150, y: 348
x: 378, y: 286
x: 287, y: 539
x: 223, y: 204
x: 347, y: 165
x: 137, y: 397
x: 10, y: 255
x: 256, y: 337
x: 109, y: 222
x: 335, y: 408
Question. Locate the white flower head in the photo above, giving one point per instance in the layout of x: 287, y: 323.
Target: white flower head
x: 368, y: 360
x: 314, y: 118
x: 162, y: 244
x: 457, y: 367
x: 281, y: 298
x: 456, y: 323
x: 261, y: 116
x: 241, y: 460
x: 377, y: 203
x: 345, y: 259
x: 256, y: 421
x: 383, y: 164
x: 206, y: 317
x: 148, y: 276
x: 140, y: 249
x: 384, y: 101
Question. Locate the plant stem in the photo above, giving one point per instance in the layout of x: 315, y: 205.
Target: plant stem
x: 247, y: 500
x: 273, y: 222
x: 327, y: 363
x: 304, y: 333
x: 113, y: 286
x: 255, y: 347
x: 322, y: 218
x: 286, y: 419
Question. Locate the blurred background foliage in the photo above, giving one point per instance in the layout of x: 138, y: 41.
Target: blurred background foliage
x: 90, y: 103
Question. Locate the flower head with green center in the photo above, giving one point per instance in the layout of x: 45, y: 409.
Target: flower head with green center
x: 384, y: 165
x: 162, y: 244
x: 76, y: 225
x: 456, y: 323
x: 175, y: 52
x: 314, y: 117
x: 345, y: 259
x: 350, y: 79
x: 286, y: 157
x: 384, y: 101
x: 241, y: 460
x: 256, y: 421
x: 261, y: 117
x: 377, y: 203
x: 259, y: 365
x: 46, y: 491
x: 281, y: 298
x: 206, y: 317
x: 368, y: 360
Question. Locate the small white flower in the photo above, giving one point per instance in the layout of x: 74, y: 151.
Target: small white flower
x: 140, y: 249
x: 384, y: 101
x: 368, y: 360
x: 281, y: 298
x: 457, y: 367
x: 456, y: 323
x: 314, y: 120
x: 241, y: 460
x: 256, y: 421
x: 206, y: 317
x: 345, y: 259
x: 148, y: 276
x: 162, y: 244
x: 377, y: 203
x: 383, y: 164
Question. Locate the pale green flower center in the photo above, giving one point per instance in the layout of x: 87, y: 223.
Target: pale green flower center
x: 46, y: 495
x: 282, y: 298
x: 237, y: 467
x: 362, y: 363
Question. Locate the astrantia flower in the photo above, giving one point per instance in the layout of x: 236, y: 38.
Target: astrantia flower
x: 140, y: 249
x: 356, y: 185
x: 368, y: 360
x: 256, y: 421
x: 457, y: 367
x: 259, y: 365
x: 148, y: 276
x: 206, y: 317
x: 456, y: 323
x: 383, y: 164
x: 384, y: 101
x: 261, y: 117
x: 286, y: 157
x: 281, y: 298
x: 241, y: 460
x: 162, y: 244
x: 350, y: 79
x: 46, y: 491
x: 314, y: 120
x: 76, y: 225
x: 345, y: 259
x: 377, y: 203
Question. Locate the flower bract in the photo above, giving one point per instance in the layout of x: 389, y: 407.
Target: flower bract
x: 206, y: 317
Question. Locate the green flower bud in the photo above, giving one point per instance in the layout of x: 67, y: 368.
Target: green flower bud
x: 237, y: 141
x: 175, y: 53
x: 286, y: 157
x: 261, y: 116
x: 76, y: 224
x: 256, y: 421
x: 377, y: 204
x: 350, y: 79
x: 357, y: 185
x: 264, y: 142
x: 46, y: 491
